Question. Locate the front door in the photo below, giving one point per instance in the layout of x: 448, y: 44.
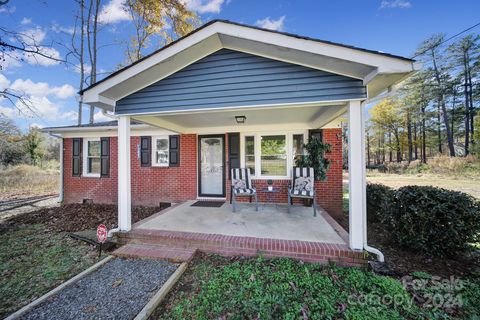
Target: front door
x: 211, y: 166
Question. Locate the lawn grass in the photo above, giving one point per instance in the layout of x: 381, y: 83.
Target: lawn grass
x: 468, y: 185
x: 33, y: 261
x: 28, y: 180
x: 220, y: 288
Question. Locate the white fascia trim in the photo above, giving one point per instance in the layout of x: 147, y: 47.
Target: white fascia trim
x: 384, y: 64
x: 240, y: 108
x: 91, y: 129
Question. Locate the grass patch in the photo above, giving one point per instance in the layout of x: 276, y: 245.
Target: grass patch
x: 29, y: 180
x: 32, y: 262
x: 219, y: 288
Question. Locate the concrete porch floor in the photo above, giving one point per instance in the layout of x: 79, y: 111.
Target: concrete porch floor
x: 271, y: 221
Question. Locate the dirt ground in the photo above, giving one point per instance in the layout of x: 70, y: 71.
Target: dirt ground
x: 75, y: 217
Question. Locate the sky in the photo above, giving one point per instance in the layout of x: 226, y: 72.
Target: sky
x: 392, y: 26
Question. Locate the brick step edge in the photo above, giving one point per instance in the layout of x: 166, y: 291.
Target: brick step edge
x: 170, y: 253
x: 192, y: 240
x: 234, y: 246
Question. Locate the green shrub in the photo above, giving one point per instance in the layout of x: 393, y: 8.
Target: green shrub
x: 379, y: 199
x: 433, y: 220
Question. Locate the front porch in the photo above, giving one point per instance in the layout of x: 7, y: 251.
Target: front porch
x: 270, y: 232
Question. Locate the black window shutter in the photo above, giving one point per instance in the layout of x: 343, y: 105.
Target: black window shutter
x: 105, y: 157
x: 316, y: 133
x: 77, y: 157
x: 233, y: 152
x: 174, y: 152
x: 145, y: 151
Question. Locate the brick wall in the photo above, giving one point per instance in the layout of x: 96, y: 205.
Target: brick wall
x: 329, y: 192
x: 151, y: 185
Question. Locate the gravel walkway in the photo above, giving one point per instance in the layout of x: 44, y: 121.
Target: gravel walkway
x: 118, y: 290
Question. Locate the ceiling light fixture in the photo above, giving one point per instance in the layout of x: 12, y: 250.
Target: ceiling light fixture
x: 240, y: 119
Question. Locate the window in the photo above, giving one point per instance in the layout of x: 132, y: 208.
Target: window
x: 273, y: 157
x: 92, y: 157
x: 250, y: 153
x: 160, y: 151
x: 297, y: 147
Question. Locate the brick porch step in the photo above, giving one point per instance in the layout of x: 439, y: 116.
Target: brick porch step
x: 174, y: 254
x: 245, y: 246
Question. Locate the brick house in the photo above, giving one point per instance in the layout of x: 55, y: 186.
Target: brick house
x: 227, y: 96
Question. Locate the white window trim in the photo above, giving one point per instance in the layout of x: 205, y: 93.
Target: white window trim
x: 257, y: 148
x: 85, y: 158
x: 154, y: 151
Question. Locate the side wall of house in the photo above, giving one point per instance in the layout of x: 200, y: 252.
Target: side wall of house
x: 152, y: 185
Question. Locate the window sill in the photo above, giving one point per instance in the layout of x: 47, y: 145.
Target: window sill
x: 90, y: 175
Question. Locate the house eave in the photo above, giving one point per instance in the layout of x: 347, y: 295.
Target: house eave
x: 336, y: 58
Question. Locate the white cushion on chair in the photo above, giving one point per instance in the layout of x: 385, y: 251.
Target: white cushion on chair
x: 303, y: 184
x: 239, y: 184
x: 244, y: 191
x: 302, y: 193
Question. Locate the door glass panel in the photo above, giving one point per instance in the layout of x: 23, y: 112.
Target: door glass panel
x: 211, y: 166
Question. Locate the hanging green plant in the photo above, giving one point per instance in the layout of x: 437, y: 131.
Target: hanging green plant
x: 315, y: 158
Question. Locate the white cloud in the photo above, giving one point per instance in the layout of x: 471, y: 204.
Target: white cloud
x: 41, y: 89
x: 113, y: 12
x: 48, y: 60
x: 8, y: 9
x: 86, y: 68
x: 33, y: 36
x: 4, y: 82
x: 60, y: 29
x: 394, y: 4
x: 38, y: 107
x: 26, y: 20
x: 271, y: 24
x: 37, y: 125
x: 36, y: 102
x: 204, y: 6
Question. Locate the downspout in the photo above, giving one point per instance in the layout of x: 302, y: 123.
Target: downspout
x: 61, y: 193
x: 366, y: 247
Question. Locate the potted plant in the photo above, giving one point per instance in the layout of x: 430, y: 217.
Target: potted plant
x: 315, y: 158
x: 270, y: 185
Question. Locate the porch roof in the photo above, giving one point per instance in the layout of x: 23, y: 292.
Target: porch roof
x: 378, y: 71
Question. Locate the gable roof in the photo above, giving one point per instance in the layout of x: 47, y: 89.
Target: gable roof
x: 248, y: 26
x: 379, y: 70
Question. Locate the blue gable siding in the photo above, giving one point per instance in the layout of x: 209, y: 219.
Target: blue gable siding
x: 230, y: 78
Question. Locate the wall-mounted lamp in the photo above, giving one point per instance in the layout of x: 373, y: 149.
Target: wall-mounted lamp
x: 240, y: 119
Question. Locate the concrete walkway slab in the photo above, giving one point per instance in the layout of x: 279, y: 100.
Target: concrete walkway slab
x: 271, y: 221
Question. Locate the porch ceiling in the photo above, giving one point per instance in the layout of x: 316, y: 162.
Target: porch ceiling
x: 277, y: 118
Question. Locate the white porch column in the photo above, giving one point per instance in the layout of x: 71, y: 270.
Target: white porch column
x: 124, y: 185
x: 356, y: 174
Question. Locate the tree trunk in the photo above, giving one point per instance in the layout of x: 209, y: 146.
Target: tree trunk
x: 424, y: 136
x: 368, y: 149
x: 397, y: 144
x: 92, y: 47
x: 442, y: 105
x: 415, y: 144
x: 439, y: 129
x: 81, y: 57
x: 390, y: 153
x: 409, y: 134
x: 467, y: 105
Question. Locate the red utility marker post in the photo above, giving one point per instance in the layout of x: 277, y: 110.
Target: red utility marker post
x: 102, y: 233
